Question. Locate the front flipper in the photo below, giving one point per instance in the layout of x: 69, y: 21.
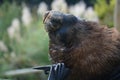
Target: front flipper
x: 58, y: 72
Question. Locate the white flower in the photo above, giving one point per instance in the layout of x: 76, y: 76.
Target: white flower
x: 11, y: 32
x: 14, y: 30
x: 78, y: 9
x: 59, y: 5
x: 91, y: 15
x: 3, y: 47
x: 42, y: 8
x: 26, y: 16
x: 16, y: 24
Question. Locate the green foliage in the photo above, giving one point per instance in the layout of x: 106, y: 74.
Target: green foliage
x: 31, y: 50
x: 34, y: 44
x: 105, y: 11
x: 7, y: 13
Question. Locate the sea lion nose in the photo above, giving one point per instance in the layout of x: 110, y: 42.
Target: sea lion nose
x: 46, y: 16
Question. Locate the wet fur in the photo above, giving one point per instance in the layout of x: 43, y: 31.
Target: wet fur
x: 90, y: 50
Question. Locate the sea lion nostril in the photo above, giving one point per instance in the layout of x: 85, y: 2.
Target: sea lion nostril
x: 46, y: 16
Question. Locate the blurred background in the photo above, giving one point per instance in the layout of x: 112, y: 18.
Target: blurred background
x: 23, y: 40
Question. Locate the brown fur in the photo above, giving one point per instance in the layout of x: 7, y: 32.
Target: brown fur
x: 93, y: 50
